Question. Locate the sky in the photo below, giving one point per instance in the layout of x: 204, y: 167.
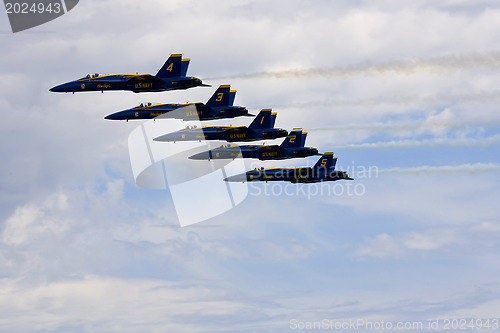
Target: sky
x: 405, y: 93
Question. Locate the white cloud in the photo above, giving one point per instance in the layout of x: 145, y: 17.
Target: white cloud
x: 103, y: 304
x: 30, y: 220
x: 384, y: 245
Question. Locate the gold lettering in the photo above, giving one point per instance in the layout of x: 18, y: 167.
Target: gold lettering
x: 144, y: 85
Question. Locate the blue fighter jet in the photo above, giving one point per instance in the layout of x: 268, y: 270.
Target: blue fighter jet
x: 322, y: 171
x: 219, y: 106
x: 261, y: 128
x: 292, y: 147
x: 171, y: 76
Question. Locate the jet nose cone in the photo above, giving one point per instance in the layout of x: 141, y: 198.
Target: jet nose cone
x: 58, y: 88
x: 115, y: 116
x: 237, y: 178
x: 167, y: 138
x: 206, y: 155
x: 65, y: 87
x: 122, y: 115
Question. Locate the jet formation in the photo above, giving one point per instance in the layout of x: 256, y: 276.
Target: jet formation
x: 173, y: 76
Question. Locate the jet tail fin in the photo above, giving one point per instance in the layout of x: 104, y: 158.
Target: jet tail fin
x: 263, y: 120
x: 327, y: 161
x: 221, y: 97
x: 296, y: 138
x: 172, y: 67
x: 184, y: 66
x: 232, y: 96
x: 273, y: 119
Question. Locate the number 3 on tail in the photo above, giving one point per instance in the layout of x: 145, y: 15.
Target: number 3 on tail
x: 219, y: 97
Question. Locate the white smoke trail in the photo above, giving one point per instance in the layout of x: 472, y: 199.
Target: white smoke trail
x: 401, y: 126
x: 460, y: 142
x: 443, y: 64
x: 392, y: 102
x: 446, y: 169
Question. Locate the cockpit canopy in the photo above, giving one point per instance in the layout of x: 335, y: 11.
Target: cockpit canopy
x: 145, y: 105
x: 90, y: 76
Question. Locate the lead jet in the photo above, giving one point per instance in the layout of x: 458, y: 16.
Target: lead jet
x: 171, y: 76
x: 322, y: 171
x: 261, y: 128
x: 219, y: 106
x: 292, y: 147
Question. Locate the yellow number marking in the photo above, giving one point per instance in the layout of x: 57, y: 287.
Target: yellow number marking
x: 170, y: 67
x: 219, y: 97
x: 292, y: 139
x: 262, y: 120
x: 323, y: 162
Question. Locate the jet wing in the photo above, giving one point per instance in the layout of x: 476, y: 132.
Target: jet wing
x: 193, y: 133
x: 249, y: 148
x: 226, y: 152
x: 138, y: 77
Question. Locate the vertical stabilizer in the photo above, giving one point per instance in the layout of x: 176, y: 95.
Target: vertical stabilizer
x: 262, y: 120
x: 221, y: 97
x: 296, y: 138
x: 327, y: 161
x: 172, y: 67
x: 184, y: 66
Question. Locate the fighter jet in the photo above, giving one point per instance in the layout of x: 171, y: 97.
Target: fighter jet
x: 261, y: 128
x: 219, y: 106
x: 322, y: 171
x: 171, y: 76
x: 292, y: 147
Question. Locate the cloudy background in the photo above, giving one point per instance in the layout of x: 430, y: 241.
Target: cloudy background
x: 410, y: 88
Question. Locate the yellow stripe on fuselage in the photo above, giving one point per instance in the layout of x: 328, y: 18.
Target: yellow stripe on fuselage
x: 150, y: 106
